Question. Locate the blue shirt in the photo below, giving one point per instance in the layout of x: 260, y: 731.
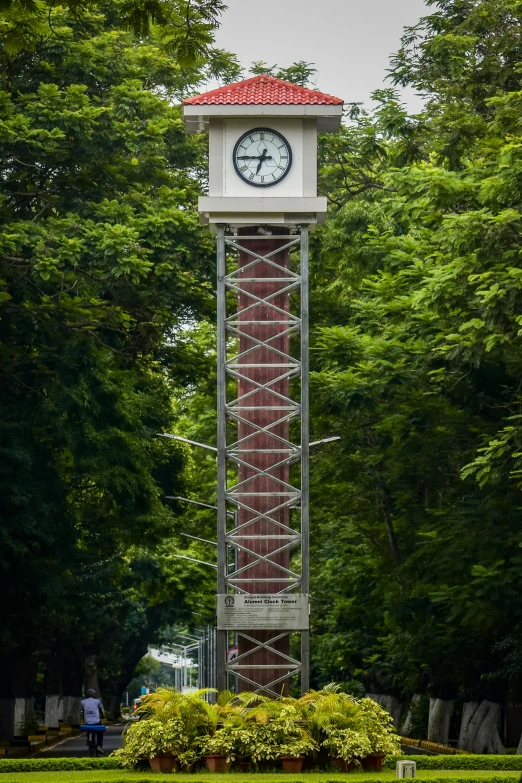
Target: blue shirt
x: 92, y: 710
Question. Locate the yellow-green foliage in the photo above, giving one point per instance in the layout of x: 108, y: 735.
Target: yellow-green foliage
x: 252, y: 726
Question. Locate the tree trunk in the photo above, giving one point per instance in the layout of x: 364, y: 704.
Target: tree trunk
x: 439, y: 720
x: 479, y: 727
x: 24, y: 716
x: 114, y: 688
x: 90, y: 674
x: 7, y: 713
x: 52, y: 707
x: 519, y: 749
x: 390, y: 703
x: 72, y: 679
x: 406, y: 726
x: 71, y: 710
x: 115, y: 703
x: 53, y: 691
x: 16, y: 691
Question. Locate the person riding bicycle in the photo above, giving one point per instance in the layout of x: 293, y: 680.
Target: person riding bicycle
x: 92, y: 711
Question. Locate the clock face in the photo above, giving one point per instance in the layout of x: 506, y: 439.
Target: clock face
x: 262, y: 157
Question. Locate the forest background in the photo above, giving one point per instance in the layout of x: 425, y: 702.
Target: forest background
x: 107, y: 338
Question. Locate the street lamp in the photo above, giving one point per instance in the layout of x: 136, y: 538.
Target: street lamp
x: 325, y: 440
x: 198, y: 503
x: 186, y: 440
x: 185, y: 648
x: 232, y: 514
x: 214, y: 449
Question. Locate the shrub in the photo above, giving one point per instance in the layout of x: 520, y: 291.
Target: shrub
x: 154, y: 737
x: 224, y: 742
x: 57, y: 765
x: 252, y: 726
x: 377, y: 724
x: 275, y: 728
x: 349, y: 727
x: 347, y: 743
x: 486, y: 762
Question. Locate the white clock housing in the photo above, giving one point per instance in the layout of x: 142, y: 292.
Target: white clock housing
x: 290, y: 117
x: 262, y: 157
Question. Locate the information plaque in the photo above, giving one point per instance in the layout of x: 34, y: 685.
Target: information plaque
x: 285, y: 612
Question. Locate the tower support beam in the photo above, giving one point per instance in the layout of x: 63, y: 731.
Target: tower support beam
x: 262, y: 395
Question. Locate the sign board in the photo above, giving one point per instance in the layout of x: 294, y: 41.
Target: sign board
x: 285, y: 611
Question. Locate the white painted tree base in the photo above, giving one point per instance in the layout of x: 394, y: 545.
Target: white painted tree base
x: 390, y: 703
x: 439, y: 720
x: 23, y: 712
x: 406, y: 726
x: 71, y: 710
x: 479, y: 727
x: 52, y: 706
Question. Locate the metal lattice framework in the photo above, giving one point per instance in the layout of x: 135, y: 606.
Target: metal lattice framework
x: 254, y: 350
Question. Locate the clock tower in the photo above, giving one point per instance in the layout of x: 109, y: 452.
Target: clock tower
x: 262, y: 203
x: 248, y: 186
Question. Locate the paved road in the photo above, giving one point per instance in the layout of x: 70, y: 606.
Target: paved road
x: 77, y: 746
x: 410, y: 750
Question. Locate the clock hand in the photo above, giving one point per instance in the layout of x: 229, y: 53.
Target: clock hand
x: 253, y: 157
x: 262, y: 159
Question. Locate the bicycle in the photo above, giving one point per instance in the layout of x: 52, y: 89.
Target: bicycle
x: 92, y: 737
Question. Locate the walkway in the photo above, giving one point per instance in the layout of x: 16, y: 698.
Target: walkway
x: 77, y: 746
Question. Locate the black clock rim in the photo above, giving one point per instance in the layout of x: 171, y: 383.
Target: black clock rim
x: 264, y: 184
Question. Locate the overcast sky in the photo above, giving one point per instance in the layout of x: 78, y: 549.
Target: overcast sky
x: 349, y: 41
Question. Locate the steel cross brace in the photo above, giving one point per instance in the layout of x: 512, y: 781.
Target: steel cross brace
x: 292, y: 666
x: 262, y: 312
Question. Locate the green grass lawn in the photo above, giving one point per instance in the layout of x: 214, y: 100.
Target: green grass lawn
x: 122, y: 776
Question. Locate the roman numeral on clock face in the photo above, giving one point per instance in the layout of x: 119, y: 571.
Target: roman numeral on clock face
x: 262, y: 157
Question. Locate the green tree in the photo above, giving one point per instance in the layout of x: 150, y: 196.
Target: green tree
x: 185, y: 27
x: 300, y: 72
x: 103, y: 266
x: 417, y: 366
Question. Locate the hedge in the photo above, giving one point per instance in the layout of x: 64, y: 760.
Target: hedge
x: 307, y: 777
x: 491, y: 762
x: 472, y: 761
x: 57, y: 765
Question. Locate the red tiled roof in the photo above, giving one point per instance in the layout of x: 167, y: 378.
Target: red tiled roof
x: 263, y: 90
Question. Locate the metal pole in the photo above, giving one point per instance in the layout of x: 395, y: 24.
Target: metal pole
x: 209, y: 660
x: 214, y: 640
x: 305, y: 456
x: 220, y: 658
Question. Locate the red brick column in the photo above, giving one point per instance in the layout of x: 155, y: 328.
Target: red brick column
x: 261, y: 401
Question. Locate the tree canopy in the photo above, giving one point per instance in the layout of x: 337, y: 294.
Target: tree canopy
x: 107, y: 338
x: 103, y: 266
